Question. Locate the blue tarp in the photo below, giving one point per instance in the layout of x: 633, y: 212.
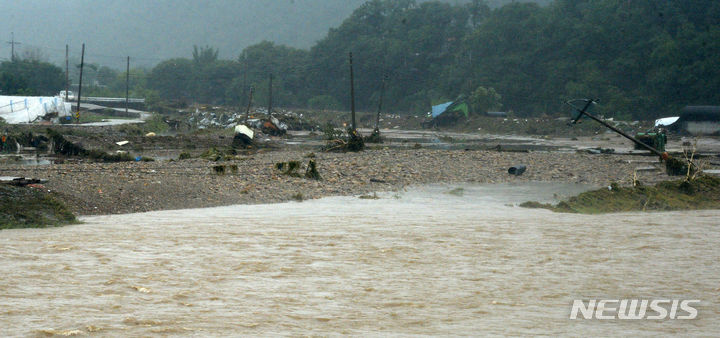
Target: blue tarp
x: 439, y: 109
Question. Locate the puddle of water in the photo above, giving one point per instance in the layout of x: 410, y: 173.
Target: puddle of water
x: 436, y: 260
x: 27, y: 160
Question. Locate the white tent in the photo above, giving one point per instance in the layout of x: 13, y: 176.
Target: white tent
x: 666, y: 121
x: 27, y: 109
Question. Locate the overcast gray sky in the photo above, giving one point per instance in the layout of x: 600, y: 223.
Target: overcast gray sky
x: 153, y: 30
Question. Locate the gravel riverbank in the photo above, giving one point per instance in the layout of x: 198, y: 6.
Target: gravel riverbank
x: 112, y: 188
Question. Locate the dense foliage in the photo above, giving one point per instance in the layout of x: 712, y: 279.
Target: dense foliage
x: 29, y: 76
x: 640, y: 58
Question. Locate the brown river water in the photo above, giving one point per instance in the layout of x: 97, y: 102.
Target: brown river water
x: 421, y: 261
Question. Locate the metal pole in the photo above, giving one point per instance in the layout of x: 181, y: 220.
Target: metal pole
x: 247, y: 111
x: 82, y: 65
x: 127, y: 86
x: 352, y: 93
x: 12, y: 44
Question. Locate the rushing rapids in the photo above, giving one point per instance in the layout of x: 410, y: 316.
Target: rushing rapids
x: 423, y: 261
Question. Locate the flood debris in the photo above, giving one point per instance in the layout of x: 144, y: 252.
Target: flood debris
x: 243, y: 137
x: 517, y: 170
x: 598, y: 150
x: 274, y: 127
x: 447, y: 114
x: 655, y: 138
x: 674, y: 166
x: 311, y: 172
x: 62, y: 146
x: 289, y: 168
x: 206, y: 117
x: 23, y: 141
x: 292, y: 168
x: 215, y: 155
x: 222, y: 169
x: 20, y: 181
x: 374, y: 137
x: 298, y: 197
x: 351, y: 141
x: 219, y: 169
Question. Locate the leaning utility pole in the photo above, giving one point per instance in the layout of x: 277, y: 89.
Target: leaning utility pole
x: 382, y: 96
x: 67, y: 71
x: 352, y: 93
x: 127, y: 86
x: 82, y: 65
x: 270, y: 90
x: 12, y: 44
x: 584, y: 111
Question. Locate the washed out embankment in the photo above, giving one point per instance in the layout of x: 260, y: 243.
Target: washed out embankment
x: 126, y: 187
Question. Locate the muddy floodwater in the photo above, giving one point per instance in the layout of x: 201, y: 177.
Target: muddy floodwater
x: 432, y: 260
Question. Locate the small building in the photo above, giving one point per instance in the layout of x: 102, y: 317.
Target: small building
x: 698, y: 120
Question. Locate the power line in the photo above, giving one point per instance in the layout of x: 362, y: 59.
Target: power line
x: 12, y: 43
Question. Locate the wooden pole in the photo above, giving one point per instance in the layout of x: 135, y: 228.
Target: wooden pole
x: 127, y: 86
x: 270, y: 92
x: 247, y: 111
x: 382, y: 96
x: 352, y: 93
x: 244, y: 83
x: 82, y: 65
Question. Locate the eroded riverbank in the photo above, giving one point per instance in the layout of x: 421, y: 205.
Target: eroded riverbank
x: 111, y: 188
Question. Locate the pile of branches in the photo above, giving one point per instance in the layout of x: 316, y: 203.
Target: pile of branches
x: 352, y: 141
